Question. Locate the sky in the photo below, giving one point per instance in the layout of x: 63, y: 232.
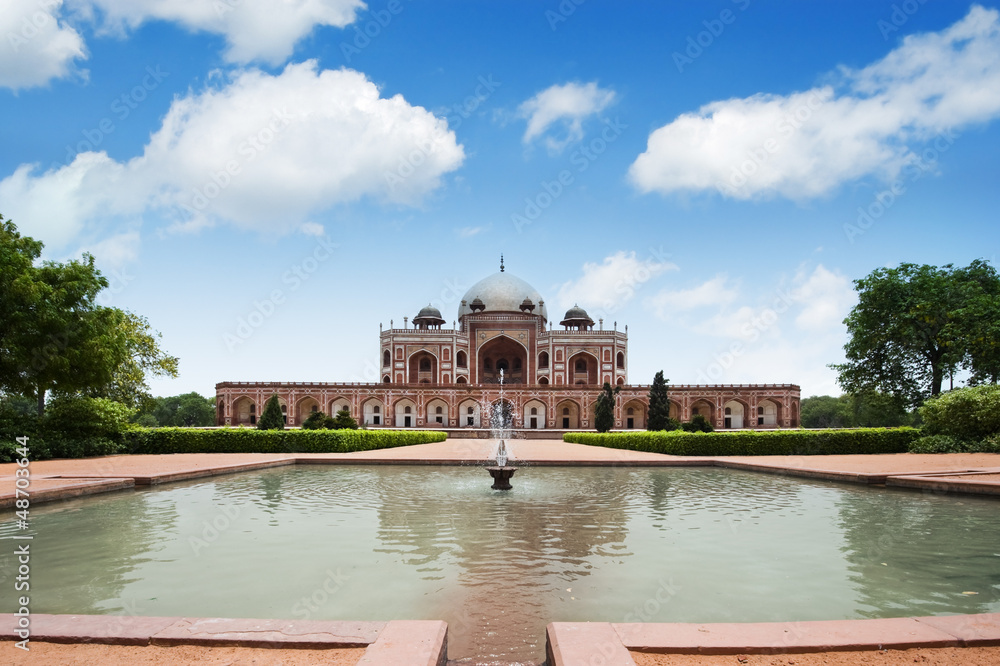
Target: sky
x: 269, y: 181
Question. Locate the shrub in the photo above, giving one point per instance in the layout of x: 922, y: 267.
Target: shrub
x: 77, y: 427
x: 949, y: 444
x: 271, y: 418
x: 698, y: 423
x: 250, y: 440
x: 755, y: 442
x: 342, y: 421
x: 971, y: 414
x: 315, y: 421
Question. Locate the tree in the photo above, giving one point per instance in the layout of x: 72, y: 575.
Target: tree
x: 915, y: 325
x: 825, y: 411
x: 272, y: 418
x: 342, y: 421
x: 55, y: 337
x: 659, y: 404
x: 187, y: 410
x: 604, y: 409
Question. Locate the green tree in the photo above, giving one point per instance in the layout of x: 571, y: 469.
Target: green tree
x: 187, y: 410
x: 54, y: 337
x: 271, y: 418
x: 968, y: 414
x: 604, y: 408
x: 826, y: 411
x: 659, y: 404
x: 342, y: 421
x: 915, y: 325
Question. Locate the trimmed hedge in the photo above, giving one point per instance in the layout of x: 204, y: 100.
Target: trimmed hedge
x: 755, y: 442
x: 250, y: 440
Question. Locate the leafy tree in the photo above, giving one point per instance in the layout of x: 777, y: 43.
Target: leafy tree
x: 55, y: 337
x: 604, y: 409
x: 342, y: 421
x: 825, y: 411
x: 271, y: 418
x: 315, y: 421
x: 189, y: 409
x: 915, y: 325
x: 659, y: 404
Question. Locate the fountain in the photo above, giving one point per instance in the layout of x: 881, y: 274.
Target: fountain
x: 500, y: 421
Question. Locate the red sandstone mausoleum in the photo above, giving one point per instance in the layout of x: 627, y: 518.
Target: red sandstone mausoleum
x: 434, y: 377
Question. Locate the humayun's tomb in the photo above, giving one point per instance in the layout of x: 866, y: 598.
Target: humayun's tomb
x: 434, y: 377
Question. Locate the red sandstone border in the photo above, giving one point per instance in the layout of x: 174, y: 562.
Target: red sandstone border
x: 394, y: 643
x: 609, y: 644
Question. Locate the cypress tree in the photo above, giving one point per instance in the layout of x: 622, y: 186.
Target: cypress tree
x: 604, y: 410
x: 659, y: 404
x: 271, y: 418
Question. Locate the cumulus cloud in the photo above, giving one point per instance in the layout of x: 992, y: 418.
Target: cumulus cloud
x: 259, y: 151
x: 568, y: 106
x: 714, y: 292
x: 254, y: 30
x: 36, y: 45
x: 607, y: 286
x: 806, y: 144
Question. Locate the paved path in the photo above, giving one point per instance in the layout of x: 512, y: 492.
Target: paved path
x: 60, y: 479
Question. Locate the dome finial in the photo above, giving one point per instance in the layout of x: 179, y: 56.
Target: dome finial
x: 501, y: 262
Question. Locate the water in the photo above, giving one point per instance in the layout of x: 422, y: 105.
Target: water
x: 566, y: 544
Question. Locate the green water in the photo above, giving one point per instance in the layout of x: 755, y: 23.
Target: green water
x: 567, y: 544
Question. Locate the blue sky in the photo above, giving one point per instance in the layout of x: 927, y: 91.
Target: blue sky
x: 267, y: 181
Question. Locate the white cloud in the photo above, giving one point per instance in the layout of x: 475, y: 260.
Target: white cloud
x: 264, y: 30
x: 115, y: 251
x: 312, y: 229
x: 806, y: 144
x: 826, y: 299
x: 569, y: 105
x: 261, y: 152
x: 607, y: 286
x: 35, y: 46
x: 714, y: 292
x: 469, y: 232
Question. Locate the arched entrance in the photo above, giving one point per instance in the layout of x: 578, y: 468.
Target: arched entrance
x: 437, y: 412
x: 502, y: 352
x: 533, y: 415
x: 582, y: 369
x: 732, y: 414
x: 468, y: 414
x: 567, y: 415
x: 767, y: 413
x: 244, y: 411
x: 373, y: 412
x: 634, y: 415
x: 406, y: 414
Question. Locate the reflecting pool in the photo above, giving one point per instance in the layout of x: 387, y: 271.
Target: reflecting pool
x: 566, y: 544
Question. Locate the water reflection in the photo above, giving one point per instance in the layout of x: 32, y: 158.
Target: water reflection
x: 567, y: 544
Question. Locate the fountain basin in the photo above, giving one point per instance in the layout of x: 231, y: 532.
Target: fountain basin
x: 501, y: 477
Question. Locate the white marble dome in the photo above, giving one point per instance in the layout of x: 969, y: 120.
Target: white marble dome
x: 502, y: 292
